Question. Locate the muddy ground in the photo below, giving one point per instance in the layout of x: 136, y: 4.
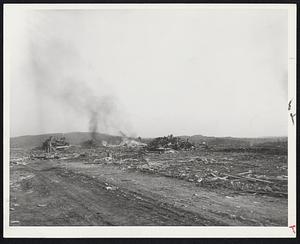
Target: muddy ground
x: 84, y: 187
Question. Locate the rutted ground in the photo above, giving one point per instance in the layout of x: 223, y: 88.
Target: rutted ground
x: 58, y: 192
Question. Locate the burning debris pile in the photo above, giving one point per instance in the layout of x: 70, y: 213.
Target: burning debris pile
x: 126, y: 142
x: 169, y: 142
x: 53, y: 144
x: 91, y: 144
x: 132, y: 143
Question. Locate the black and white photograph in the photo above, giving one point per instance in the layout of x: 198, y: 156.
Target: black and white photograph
x: 145, y: 118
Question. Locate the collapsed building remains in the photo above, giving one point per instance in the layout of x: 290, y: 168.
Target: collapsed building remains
x: 170, y: 142
x: 52, y: 144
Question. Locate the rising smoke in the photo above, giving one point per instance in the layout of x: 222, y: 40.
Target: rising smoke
x: 61, y: 73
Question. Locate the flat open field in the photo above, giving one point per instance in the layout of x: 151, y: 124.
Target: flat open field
x: 82, y: 186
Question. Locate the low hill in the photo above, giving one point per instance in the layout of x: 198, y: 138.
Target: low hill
x: 74, y: 138
x: 77, y: 138
x: 270, y: 145
x: 235, y: 141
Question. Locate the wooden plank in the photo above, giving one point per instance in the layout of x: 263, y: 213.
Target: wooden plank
x: 248, y: 178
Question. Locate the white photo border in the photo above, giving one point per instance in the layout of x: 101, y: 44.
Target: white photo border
x: 155, y: 231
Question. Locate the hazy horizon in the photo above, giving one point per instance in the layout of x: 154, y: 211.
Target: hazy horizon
x: 149, y: 72
x: 71, y: 132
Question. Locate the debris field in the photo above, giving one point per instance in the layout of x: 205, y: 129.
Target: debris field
x: 230, y: 174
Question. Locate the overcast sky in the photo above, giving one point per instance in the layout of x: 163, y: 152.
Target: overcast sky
x: 149, y: 72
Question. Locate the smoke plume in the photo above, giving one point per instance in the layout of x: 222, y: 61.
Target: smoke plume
x: 61, y: 73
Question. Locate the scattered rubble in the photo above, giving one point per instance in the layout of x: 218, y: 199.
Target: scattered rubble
x: 239, y: 172
x: 111, y: 188
x: 101, y: 160
x: 52, y: 144
x: 169, y: 143
x: 42, y: 205
x: 204, y: 172
x: 19, y: 161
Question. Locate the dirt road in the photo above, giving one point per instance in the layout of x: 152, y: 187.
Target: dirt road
x: 52, y: 192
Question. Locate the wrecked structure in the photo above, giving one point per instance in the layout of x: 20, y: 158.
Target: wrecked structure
x: 52, y: 144
x: 169, y: 142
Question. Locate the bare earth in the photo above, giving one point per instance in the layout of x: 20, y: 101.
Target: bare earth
x: 73, y: 193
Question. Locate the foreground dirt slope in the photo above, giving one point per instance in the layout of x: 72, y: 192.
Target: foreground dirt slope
x: 52, y: 192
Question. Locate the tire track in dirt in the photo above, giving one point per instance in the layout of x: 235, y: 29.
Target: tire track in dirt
x: 159, y: 211
x: 47, y: 184
x: 119, y: 207
x: 77, y: 195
